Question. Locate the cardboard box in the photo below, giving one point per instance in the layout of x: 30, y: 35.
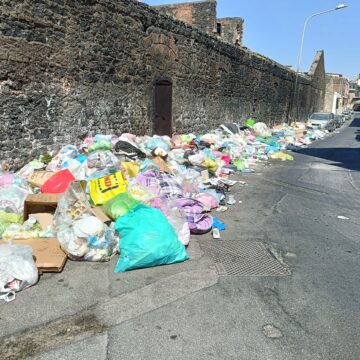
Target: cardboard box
x: 47, y: 253
x: 39, y: 178
x: 300, y: 133
x: 40, y: 203
x: 44, y: 219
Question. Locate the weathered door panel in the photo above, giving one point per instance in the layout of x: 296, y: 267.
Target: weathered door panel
x: 163, y: 108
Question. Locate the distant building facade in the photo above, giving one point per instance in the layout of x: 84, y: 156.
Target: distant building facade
x: 354, y: 92
x: 336, y: 93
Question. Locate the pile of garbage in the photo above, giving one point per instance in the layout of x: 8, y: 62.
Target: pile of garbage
x: 139, y: 196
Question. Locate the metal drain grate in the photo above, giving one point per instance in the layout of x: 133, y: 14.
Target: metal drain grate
x: 243, y: 258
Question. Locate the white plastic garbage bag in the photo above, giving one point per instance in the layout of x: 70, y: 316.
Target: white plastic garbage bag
x: 261, y: 129
x: 17, y: 269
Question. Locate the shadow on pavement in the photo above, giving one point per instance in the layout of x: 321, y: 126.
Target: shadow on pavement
x: 355, y: 122
x: 348, y: 158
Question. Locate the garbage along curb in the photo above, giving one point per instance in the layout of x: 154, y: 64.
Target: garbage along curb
x: 110, y: 313
x: 168, y: 186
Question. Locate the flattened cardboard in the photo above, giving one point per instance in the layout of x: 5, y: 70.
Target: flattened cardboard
x: 40, y: 203
x: 44, y: 219
x: 39, y: 178
x: 47, y: 253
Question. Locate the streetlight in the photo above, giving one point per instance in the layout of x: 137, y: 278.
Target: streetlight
x: 296, y: 95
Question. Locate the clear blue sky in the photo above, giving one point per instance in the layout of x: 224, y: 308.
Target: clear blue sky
x: 273, y: 28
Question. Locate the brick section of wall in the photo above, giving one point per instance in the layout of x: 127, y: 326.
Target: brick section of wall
x: 77, y: 67
x: 201, y: 15
x: 185, y: 13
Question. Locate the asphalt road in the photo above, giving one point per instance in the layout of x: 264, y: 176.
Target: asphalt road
x: 187, y: 311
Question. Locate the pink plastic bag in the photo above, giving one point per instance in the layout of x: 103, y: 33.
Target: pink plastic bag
x: 209, y: 201
x: 6, y: 179
x: 226, y: 159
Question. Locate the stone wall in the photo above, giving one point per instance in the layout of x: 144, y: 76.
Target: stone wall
x: 69, y: 68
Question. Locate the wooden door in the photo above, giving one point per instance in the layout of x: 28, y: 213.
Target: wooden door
x: 163, y: 108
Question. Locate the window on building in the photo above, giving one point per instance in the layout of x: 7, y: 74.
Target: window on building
x: 218, y: 28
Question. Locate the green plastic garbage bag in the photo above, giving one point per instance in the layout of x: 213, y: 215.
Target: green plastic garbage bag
x: 147, y: 239
x: 6, y: 219
x: 100, y: 145
x: 249, y: 122
x: 120, y: 205
x: 10, y: 217
x: 239, y: 165
x: 3, y: 226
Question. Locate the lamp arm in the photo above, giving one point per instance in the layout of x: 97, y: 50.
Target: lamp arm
x: 303, y: 35
x: 296, y: 92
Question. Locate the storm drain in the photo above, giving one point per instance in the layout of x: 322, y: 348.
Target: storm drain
x: 243, y: 258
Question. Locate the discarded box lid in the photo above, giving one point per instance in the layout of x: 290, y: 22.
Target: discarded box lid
x: 40, y: 203
x: 47, y: 253
x: 39, y: 178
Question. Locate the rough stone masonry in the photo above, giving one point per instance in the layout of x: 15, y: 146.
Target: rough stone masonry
x: 69, y: 68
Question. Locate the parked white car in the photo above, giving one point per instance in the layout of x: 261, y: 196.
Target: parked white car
x: 322, y: 120
x: 356, y: 107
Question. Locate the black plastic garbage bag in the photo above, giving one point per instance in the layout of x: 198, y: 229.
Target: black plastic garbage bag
x: 129, y: 149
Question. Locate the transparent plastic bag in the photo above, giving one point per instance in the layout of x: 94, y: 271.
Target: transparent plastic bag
x: 25, y: 171
x: 68, y: 151
x: 191, y: 181
x: 82, y: 235
x: 17, y: 268
x: 141, y: 193
x: 87, y: 239
x: 12, y: 199
x: 177, y: 219
x: 102, y: 160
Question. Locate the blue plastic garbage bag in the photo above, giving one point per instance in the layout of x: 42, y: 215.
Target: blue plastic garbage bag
x: 157, y: 142
x: 272, y: 148
x: 218, y: 224
x: 147, y: 239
